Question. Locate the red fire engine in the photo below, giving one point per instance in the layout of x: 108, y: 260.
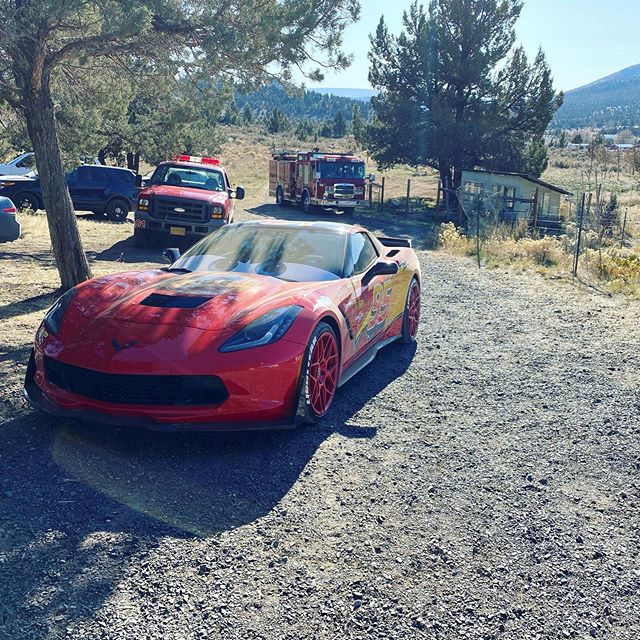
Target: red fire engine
x: 316, y: 179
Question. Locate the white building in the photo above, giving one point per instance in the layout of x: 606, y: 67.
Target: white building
x: 514, y: 195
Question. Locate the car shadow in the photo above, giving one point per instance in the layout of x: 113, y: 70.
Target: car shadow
x: 424, y: 234
x: 78, y: 496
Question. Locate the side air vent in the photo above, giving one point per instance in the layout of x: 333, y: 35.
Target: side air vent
x: 393, y: 252
x: 174, y: 302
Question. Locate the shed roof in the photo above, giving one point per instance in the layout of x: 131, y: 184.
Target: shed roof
x: 524, y: 176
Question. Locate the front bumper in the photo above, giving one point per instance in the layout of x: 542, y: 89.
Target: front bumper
x: 261, y: 387
x: 341, y: 204
x: 144, y: 222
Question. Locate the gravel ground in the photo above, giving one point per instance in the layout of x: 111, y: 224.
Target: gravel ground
x: 484, y: 485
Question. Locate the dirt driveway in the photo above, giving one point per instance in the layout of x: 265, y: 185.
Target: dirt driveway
x: 482, y: 486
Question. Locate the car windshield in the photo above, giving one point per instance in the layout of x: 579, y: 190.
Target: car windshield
x: 294, y: 254
x: 342, y: 169
x: 192, y: 177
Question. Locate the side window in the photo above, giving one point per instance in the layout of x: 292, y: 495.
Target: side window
x: 83, y: 174
x: 98, y: 175
x: 363, y: 253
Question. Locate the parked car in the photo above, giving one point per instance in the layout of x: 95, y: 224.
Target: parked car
x: 111, y: 191
x: 24, y: 163
x: 254, y: 327
x: 9, y: 225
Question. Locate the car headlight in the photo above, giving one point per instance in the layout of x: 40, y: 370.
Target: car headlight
x: 268, y: 328
x: 53, y: 317
x: 143, y: 204
x: 328, y: 191
x: 216, y: 212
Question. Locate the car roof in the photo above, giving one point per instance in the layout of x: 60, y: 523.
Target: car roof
x: 106, y: 166
x: 336, y: 227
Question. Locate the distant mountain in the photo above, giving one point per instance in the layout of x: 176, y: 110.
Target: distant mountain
x: 355, y: 94
x: 313, y: 105
x: 613, y: 101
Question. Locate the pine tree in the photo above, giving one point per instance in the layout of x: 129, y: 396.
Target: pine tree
x: 247, y: 114
x: 454, y: 92
x: 277, y: 121
x: 357, y: 125
x: 339, y: 125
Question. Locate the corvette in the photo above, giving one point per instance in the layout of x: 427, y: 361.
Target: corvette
x: 255, y: 326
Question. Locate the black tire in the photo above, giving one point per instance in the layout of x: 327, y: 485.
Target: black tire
x: 305, y: 413
x: 407, y: 337
x: 349, y: 211
x: 306, y: 202
x: 280, y: 201
x: 141, y: 239
x: 117, y: 210
x: 27, y: 201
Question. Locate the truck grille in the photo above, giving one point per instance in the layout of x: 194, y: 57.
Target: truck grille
x: 344, y: 191
x: 165, y: 209
x: 136, y: 389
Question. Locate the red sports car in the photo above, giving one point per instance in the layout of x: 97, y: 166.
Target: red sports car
x: 256, y: 326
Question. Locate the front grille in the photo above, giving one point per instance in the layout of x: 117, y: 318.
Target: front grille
x: 194, y: 210
x: 344, y: 191
x: 118, y: 388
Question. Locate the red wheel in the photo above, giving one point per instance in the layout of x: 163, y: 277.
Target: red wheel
x: 319, y: 377
x: 411, y: 319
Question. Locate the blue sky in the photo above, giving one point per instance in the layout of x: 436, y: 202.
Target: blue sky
x: 584, y: 39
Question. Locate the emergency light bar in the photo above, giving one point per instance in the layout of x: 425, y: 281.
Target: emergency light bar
x: 197, y: 159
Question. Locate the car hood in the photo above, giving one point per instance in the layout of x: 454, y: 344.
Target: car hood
x: 23, y: 179
x: 204, y: 300
x: 187, y: 193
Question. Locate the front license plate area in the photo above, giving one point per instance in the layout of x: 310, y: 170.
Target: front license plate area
x: 177, y: 231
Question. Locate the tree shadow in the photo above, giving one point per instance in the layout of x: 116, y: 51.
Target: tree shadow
x: 422, y: 233
x: 81, y: 502
x: 28, y: 305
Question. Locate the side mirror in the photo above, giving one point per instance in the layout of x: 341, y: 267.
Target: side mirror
x: 138, y: 180
x: 171, y: 255
x: 379, y: 268
x: 239, y: 193
x: 372, y: 177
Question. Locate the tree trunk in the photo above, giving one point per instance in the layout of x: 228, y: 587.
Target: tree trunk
x: 65, y: 238
x: 133, y: 161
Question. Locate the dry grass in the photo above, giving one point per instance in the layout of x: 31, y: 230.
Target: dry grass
x: 617, y: 270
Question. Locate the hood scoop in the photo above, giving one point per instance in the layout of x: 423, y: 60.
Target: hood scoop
x: 175, y: 301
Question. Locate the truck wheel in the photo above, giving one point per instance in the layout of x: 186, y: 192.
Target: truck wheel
x: 141, y: 239
x: 280, y: 201
x: 306, y: 202
x: 117, y: 210
x: 26, y: 202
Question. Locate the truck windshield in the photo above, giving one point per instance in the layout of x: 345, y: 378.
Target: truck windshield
x: 296, y: 255
x: 342, y: 169
x: 191, y: 177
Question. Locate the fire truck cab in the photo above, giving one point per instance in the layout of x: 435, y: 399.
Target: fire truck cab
x: 316, y: 179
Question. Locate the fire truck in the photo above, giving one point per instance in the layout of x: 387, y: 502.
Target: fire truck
x: 316, y: 179
x: 188, y: 197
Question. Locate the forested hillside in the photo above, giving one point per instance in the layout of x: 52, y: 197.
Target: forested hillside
x: 613, y: 101
x: 311, y: 105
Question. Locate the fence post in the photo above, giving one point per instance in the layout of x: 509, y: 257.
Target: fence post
x: 576, y: 257
x: 438, y: 197
x: 624, y: 228
x: 382, y: 194
x: 370, y: 195
x: 408, y: 194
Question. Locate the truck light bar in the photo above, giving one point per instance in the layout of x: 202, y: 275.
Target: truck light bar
x: 197, y: 159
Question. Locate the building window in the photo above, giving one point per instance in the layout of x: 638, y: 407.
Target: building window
x: 509, y: 196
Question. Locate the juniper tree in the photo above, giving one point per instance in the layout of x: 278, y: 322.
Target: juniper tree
x: 455, y: 92
x: 249, y: 41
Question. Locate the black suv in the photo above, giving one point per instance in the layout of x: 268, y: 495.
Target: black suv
x: 109, y: 191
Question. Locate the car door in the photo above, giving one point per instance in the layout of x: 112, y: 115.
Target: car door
x: 366, y: 309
